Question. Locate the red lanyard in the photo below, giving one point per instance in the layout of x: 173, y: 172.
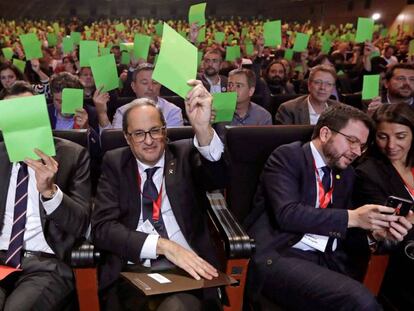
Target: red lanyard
x: 156, y: 205
x: 324, y: 198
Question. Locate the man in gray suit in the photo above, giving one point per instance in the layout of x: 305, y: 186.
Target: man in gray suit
x: 306, y: 109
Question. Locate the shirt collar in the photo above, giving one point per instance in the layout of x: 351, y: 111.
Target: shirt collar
x: 142, y: 166
x: 319, y: 161
x: 310, y: 107
x: 210, y: 82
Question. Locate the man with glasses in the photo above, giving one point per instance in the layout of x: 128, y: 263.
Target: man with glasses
x: 312, y: 245
x: 307, y: 109
x: 150, y: 208
x: 399, y: 82
x: 212, y: 80
x: 243, y: 81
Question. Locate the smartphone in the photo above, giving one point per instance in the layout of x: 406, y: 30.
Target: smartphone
x: 402, y: 206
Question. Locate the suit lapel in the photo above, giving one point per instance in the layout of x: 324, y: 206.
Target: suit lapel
x: 310, y: 173
x: 131, y: 183
x: 173, y: 189
x: 304, y: 113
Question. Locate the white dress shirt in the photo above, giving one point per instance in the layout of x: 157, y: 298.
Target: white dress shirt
x: 33, y: 239
x: 211, y: 152
x: 313, y: 116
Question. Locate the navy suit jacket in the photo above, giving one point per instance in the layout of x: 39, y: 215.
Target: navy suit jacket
x: 117, y: 210
x: 284, y: 209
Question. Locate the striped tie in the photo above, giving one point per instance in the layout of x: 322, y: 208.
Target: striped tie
x: 13, y: 254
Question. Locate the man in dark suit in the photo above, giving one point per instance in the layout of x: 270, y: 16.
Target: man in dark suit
x: 53, y: 198
x: 309, y: 240
x: 307, y: 109
x: 169, y: 229
x: 212, y: 80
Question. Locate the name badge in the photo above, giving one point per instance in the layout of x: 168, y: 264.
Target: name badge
x: 316, y: 241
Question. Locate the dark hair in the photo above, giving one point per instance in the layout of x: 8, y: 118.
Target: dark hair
x: 64, y: 80
x: 18, y: 74
x: 249, y: 74
x: 337, y: 116
x: 273, y: 63
x: 139, y: 103
x: 142, y: 67
x: 214, y: 51
x: 19, y: 87
x: 390, y: 71
x: 401, y: 114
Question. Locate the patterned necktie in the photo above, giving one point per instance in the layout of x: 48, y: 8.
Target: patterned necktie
x: 13, y: 254
x: 150, y: 195
x: 326, y: 179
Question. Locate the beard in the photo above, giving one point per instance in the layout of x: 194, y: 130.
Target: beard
x: 333, y: 156
x: 210, y: 71
x: 276, y: 81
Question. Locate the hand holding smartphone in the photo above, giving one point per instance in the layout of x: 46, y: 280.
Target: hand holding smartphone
x: 401, y: 206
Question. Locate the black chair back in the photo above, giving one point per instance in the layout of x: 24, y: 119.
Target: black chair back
x: 277, y: 100
x: 77, y: 136
x: 248, y: 148
x: 353, y: 99
x: 114, y: 138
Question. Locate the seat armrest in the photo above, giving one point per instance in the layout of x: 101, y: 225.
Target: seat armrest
x: 237, y: 243
x: 83, y: 256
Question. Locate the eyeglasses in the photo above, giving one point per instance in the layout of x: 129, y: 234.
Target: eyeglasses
x: 353, y: 141
x: 140, y: 135
x: 324, y: 83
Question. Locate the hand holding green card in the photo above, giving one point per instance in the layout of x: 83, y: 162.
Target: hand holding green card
x: 87, y: 50
x: 104, y: 72
x: 224, y: 105
x: 32, y: 46
x: 25, y: 124
x: 176, y: 62
x: 219, y: 37
x: 8, y: 53
x: 21, y: 65
x: 232, y: 53
x: 365, y: 29
x: 272, y: 33
x: 196, y: 14
x: 67, y: 43
x: 370, y: 88
x: 301, y: 42
x: 72, y: 99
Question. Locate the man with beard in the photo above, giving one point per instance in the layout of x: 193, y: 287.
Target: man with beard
x: 276, y: 79
x: 306, y: 109
x: 210, y: 77
x: 399, y: 82
x: 310, y: 242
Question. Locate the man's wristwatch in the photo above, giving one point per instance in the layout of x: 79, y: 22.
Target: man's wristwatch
x: 49, y: 194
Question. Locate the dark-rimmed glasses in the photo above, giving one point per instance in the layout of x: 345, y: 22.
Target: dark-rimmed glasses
x: 352, y: 141
x: 155, y: 133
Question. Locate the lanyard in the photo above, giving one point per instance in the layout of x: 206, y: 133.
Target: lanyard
x: 324, y: 198
x: 407, y: 186
x: 156, y: 205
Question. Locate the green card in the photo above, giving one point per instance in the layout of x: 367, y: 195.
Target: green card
x: 201, y: 37
x: 56, y: 28
x: 8, y: 53
x: 375, y: 53
x: 52, y: 39
x: 176, y: 62
x: 120, y: 27
x: 72, y: 99
x: 288, y: 54
x: 125, y: 58
x: 87, y: 50
x: 230, y: 39
x: 301, y: 42
x: 104, y: 51
x: 365, y: 29
x: 21, y: 65
x: 196, y: 14
x: 104, y: 72
x: 67, y: 43
x: 370, y: 88
x: 199, y: 58
x: 272, y: 33
x: 340, y: 73
x: 159, y: 29
x: 224, y: 104
x: 126, y: 46
x: 32, y: 46
x: 232, y: 53
x: 219, y: 37
x: 411, y: 48
x: 141, y: 46
x: 384, y: 32
x: 244, y: 31
x: 249, y: 49
x: 326, y: 45
x: 25, y: 125
x: 76, y: 37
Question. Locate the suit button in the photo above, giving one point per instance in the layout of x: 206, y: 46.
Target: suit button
x: 269, y: 262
